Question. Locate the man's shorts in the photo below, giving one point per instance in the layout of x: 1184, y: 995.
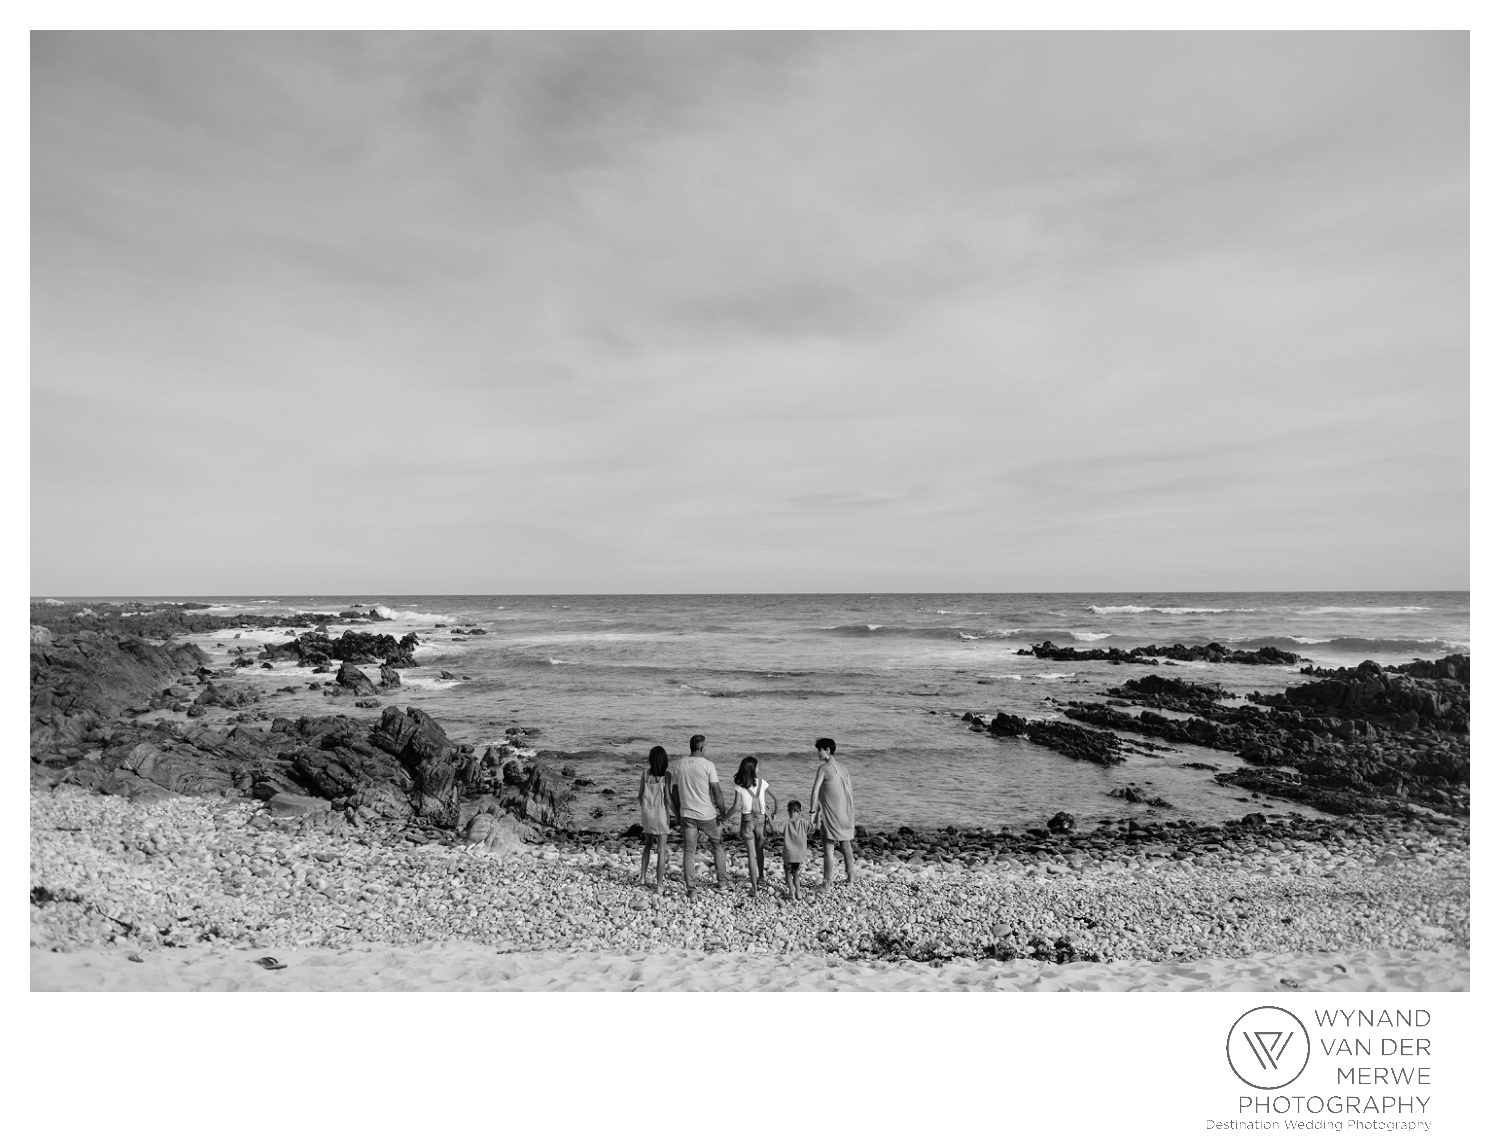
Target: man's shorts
x: 709, y: 828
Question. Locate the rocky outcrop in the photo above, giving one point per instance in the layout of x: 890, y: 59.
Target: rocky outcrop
x: 80, y: 682
x: 1169, y: 693
x: 434, y: 762
x: 1112, y: 654
x: 1068, y: 740
x: 155, y: 621
x: 401, y: 768
x: 1404, y: 699
x: 543, y: 796
x: 1366, y: 739
x: 334, y: 758
x: 228, y: 697
x: 150, y: 762
x: 1214, y: 652
x: 1135, y: 795
x: 360, y: 647
x: 1149, y: 655
x: 352, y: 680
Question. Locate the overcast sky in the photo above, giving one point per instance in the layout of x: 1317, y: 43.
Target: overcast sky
x: 427, y: 313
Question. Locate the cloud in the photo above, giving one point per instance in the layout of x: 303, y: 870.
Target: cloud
x: 616, y: 292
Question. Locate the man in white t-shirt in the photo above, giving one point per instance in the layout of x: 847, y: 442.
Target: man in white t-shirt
x: 699, y: 805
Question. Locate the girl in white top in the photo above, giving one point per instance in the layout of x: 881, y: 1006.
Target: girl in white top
x: 751, y: 797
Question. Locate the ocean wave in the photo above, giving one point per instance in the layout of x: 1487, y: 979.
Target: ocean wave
x: 1362, y: 611
x: 779, y: 693
x: 946, y: 634
x: 1134, y: 610
x: 415, y: 683
x: 1355, y: 645
x: 1054, y: 674
x: 412, y: 616
x: 1088, y: 635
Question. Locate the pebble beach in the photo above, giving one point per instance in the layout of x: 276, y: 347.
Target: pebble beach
x: 190, y: 892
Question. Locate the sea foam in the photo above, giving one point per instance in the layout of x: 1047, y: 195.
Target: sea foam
x: 412, y: 616
x: 1363, y: 611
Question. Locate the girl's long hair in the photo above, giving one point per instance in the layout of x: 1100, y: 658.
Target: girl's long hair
x: 657, y: 759
x: 745, y: 778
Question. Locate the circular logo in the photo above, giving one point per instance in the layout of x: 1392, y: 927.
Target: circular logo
x: 1268, y: 1047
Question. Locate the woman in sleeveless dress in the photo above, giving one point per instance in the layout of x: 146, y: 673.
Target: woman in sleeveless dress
x: 833, y: 806
x: 652, y: 797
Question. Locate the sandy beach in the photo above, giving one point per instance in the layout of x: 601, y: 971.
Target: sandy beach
x: 474, y: 967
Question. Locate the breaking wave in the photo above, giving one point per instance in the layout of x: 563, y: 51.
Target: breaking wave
x: 1347, y: 645
x: 1134, y: 610
x: 412, y: 616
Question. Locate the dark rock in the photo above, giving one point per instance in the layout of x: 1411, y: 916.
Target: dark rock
x: 433, y: 761
x: 1007, y: 725
x: 359, y: 647
x: 1434, y: 697
x: 81, y: 681
x: 1362, y: 739
x: 544, y: 798
x: 228, y: 697
x: 1061, y: 823
x: 1148, y: 655
x: 352, y: 680
x: 1076, y: 742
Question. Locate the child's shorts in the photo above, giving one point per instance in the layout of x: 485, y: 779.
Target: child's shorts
x: 792, y: 865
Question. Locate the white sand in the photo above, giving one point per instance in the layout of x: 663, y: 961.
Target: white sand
x: 473, y: 967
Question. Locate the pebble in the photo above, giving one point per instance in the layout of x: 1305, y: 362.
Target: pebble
x: 192, y: 872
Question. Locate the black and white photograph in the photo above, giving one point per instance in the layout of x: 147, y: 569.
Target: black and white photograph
x: 752, y: 511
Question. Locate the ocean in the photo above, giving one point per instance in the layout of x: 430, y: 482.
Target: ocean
x: 605, y: 677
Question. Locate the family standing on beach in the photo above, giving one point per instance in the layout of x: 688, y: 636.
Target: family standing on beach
x: 688, y: 791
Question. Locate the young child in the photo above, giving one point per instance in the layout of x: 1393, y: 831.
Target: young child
x: 794, y: 848
x: 751, y: 794
x: 652, y: 798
